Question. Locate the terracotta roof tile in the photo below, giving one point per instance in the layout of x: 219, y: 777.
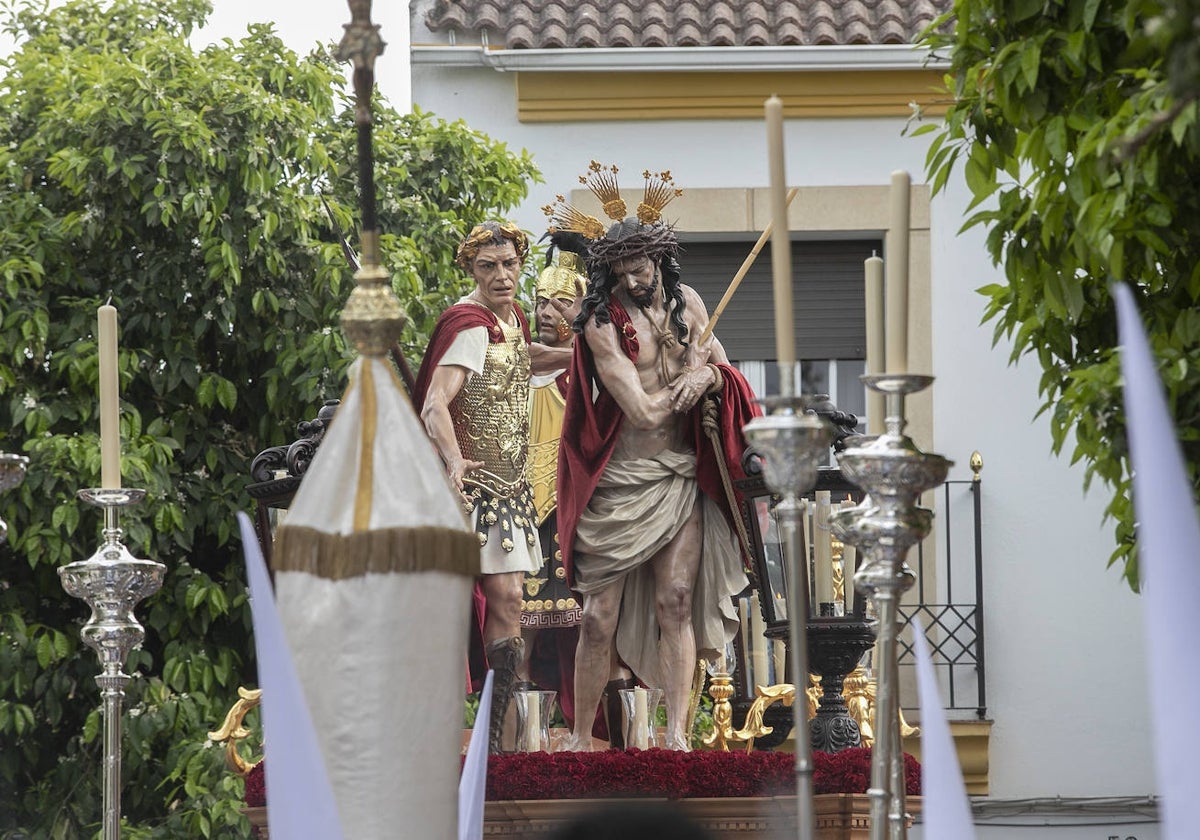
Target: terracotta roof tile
x: 623, y: 13
x: 590, y: 35
x: 539, y: 24
x: 722, y: 12
x: 621, y: 35
x: 755, y: 11
x: 722, y: 35
x: 893, y: 9
x: 688, y: 33
x: 757, y: 35
x: 655, y: 35
x: 522, y: 35
x: 824, y: 33
x: 656, y: 11
x: 860, y: 32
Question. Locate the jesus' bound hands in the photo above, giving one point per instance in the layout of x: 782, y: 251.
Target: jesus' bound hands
x: 690, y: 386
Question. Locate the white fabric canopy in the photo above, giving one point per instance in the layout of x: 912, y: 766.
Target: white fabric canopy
x: 301, y: 804
x: 373, y: 575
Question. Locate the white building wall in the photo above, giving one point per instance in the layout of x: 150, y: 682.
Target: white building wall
x: 1065, y: 643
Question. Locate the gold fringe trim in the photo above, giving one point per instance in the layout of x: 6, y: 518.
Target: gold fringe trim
x: 426, y: 548
x: 366, y: 454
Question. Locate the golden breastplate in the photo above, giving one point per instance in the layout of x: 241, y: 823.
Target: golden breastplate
x: 491, y: 416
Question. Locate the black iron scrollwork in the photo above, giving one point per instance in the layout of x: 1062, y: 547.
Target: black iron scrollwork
x: 844, y: 423
x: 294, y: 458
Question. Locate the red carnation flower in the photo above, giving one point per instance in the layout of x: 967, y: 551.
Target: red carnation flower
x: 256, y: 786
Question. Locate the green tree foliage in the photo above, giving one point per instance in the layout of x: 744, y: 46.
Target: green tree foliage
x: 1080, y: 145
x: 205, y: 193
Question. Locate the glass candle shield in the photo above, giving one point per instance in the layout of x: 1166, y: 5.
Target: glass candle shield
x: 534, y: 711
x: 640, y: 706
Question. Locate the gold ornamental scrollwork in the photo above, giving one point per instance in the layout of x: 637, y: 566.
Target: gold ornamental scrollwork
x: 232, y: 731
x: 858, y: 691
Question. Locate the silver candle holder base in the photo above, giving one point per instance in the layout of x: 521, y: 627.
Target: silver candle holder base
x: 894, y: 473
x: 792, y: 444
x: 112, y: 582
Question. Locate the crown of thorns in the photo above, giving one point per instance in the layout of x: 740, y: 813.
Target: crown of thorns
x: 645, y: 233
x: 630, y: 238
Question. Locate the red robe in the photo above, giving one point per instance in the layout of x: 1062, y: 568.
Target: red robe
x: 459, y: 317
x: 590, y: 432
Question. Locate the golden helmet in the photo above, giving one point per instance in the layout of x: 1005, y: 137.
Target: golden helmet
x: 565, y: 278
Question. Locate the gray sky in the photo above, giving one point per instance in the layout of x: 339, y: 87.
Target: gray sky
x: 304, y: 23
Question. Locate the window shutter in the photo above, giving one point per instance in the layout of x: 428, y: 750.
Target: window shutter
x: 827, y: 296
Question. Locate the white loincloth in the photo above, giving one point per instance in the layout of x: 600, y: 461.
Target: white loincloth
x: 639, y: 505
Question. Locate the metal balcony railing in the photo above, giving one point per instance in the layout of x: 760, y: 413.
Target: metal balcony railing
x: 950, y: 601
x: 948, y: 598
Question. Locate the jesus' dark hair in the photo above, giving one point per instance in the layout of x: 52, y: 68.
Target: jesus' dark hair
x: 602, y: 283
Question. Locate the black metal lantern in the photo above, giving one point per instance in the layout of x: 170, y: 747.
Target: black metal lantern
x: 838, y: 636
x: 762, y: 528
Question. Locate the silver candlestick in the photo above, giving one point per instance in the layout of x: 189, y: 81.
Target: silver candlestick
x: 12, y: 473
x: 894, y: 473
x: 792, y: 444
x: 112, y: 581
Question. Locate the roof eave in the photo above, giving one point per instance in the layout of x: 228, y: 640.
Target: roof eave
x: 730, y: 59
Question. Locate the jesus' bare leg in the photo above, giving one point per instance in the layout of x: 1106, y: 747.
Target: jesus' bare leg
x: 594, y: 658
x: 675, y: 569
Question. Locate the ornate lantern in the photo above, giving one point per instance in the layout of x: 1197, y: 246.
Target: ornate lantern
x: 838, y: 631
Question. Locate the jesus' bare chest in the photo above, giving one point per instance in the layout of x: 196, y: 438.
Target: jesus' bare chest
x: 661, y: 356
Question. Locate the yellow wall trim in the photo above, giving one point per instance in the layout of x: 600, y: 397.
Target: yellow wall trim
x: 971, y: 740
x: 593, y: 96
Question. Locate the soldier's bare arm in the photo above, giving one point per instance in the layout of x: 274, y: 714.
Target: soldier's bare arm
x: 444, y: 385
x: 546, y: 359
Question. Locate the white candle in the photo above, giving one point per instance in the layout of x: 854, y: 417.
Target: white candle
x: 758, y: 651
x: 802, y: 563
x: 110, y: 423
x: 779, y: 652
x: 849, y: 554
x: 744, y: 621
x: 823, y: 550
x: 641, y: 726
x: 897, y: 275
x: 533, y: 721
x: 781, y: 246
x: 873, y: 274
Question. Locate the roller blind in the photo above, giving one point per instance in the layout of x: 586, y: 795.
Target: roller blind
x: 827, y: 296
